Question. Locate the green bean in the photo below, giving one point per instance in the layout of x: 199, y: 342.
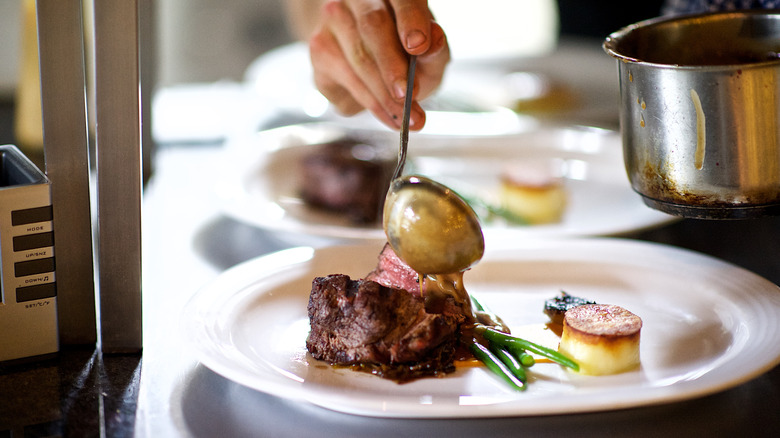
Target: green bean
x: 526, y: 360
x: 511, y: 362
x: 522, y: 356
x: 504, y: 339
x: 494, y: 364
x: 494, y: 210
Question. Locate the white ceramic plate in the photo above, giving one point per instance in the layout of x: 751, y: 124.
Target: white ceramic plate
x: 708, y: 326
x: 259, y: 180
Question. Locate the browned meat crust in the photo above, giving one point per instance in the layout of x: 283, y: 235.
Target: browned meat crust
x: 361, y: 322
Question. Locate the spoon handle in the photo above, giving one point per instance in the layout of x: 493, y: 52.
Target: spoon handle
x: 405, y: 121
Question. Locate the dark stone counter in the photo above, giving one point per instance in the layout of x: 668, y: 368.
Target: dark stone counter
x: 78, y: 393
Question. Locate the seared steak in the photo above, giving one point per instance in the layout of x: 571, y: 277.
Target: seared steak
x: 348, y: 177
x: 386, y: 329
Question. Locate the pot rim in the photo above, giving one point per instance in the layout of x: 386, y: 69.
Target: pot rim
x: 612, y: 40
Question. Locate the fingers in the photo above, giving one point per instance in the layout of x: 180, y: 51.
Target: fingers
x: 391, y: 34
x: 329, y: 64
x: 385, y: 60
x: 413, y: 22
x: 432, y: 64
x: 360, y: 56
x: 344, y: 70
x: 336, y: 79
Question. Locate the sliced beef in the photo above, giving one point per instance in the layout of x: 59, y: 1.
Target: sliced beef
x: 362, y: 322
x: 391, y: 271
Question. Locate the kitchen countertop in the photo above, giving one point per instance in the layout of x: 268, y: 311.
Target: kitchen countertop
x: 187, y: 242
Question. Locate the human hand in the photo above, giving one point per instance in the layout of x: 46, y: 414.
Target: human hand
x: 360, y: 55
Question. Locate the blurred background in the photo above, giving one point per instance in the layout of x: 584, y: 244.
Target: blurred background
x: 208, y: 40
x: 203, y: 52
x: 202, y: 41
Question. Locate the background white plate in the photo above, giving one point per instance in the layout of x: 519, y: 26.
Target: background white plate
x: 708, y: 326
x: 259, y: 180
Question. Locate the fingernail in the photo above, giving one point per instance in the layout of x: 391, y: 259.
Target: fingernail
x: 414, y: 39
x: 412, y: 121
x: 399, y: 88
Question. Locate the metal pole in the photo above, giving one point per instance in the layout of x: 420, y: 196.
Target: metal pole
x: 61, y: 55
x: 119, y: 173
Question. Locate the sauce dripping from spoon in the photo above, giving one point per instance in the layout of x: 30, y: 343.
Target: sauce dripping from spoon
x: 432, y: 229
x: 436, y: 233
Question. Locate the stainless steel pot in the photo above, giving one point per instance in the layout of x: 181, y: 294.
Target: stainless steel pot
x: 699, y: 107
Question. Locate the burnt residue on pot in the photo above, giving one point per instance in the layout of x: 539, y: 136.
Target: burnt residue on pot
x: 708, y: 137
x: 664, y: 193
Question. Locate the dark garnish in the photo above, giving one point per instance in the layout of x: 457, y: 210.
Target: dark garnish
x: 556, y: 307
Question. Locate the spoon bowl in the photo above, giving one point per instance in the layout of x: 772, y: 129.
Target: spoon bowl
x: 430, y: 227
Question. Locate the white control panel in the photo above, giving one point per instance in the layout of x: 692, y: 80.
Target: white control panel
x: 28, y: 287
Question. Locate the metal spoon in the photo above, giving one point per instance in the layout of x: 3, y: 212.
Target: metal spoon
x: 430, y: 227
x: 405, y: 120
